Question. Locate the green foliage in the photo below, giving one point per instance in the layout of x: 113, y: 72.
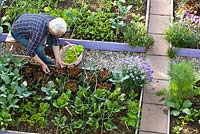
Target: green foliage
x: 33, y: 116
x: 171, y: 53
x: 5, y: 119
x: 135, y: 34
x: 50, y: 91
x: 12, y: 88
x: 132, y: 118
x: 179, y: 108
x: 182, y: 80
x: 63, y: 100
x: 60, y: 121
x: 93, y: 26
x: 19, y: 7
x: 181, y: 88
x: 177, y: 129
x: 73, y: 53
x: 69, y: 15
x: 181, y: 36
x: 56, y: 12
x: 95, y: 108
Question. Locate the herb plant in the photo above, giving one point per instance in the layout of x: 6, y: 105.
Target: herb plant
x: 181, y: 88
x: 73, y: 53
x: 135, y: 34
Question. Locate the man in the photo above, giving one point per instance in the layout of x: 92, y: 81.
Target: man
x: 34, y: 31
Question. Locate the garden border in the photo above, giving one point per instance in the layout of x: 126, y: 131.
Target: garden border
x: 97, y: 45
x: 183, y: 52
x: 136, y: 130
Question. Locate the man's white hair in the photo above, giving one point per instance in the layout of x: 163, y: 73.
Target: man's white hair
x: 58, y: 24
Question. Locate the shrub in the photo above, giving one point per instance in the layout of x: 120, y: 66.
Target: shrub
x: 180, y: 35
x: 135, y: 34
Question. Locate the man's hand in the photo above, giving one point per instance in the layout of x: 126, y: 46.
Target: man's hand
x: 44, y: 66
x: 59, y: 62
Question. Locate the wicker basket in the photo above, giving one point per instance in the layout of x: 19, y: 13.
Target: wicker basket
x: 63, y: 53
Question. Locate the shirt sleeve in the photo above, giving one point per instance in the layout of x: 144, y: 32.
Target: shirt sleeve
x: 55, y: 40
x: 34, y: 41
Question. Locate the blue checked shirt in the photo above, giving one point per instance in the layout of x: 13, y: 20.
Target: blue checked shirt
x: 35, y: 28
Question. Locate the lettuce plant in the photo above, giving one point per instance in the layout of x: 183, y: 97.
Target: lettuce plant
x: 73, y: 53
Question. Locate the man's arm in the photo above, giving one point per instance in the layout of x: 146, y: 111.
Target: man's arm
x: 59, y: 62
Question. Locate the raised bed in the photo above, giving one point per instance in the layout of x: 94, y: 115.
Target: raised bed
x: 98, y: 45
x: 184, y: 52
x: 38, y: 81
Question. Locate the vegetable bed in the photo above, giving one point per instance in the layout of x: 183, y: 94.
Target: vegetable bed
x: 72, y: 100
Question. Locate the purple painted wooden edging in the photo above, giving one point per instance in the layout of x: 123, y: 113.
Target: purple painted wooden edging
x: 188, y: 52
x: 100, y: 45
x: 3, y: 37
x: 7, y: 132
x: 97, y: 45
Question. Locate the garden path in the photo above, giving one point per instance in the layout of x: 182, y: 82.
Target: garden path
x: 155, y: 114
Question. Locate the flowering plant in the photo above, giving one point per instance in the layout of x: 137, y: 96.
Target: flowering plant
x: 138, y: 71
x: 185, y: 32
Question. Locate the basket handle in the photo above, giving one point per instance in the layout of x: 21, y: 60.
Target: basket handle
x: 66, y: 42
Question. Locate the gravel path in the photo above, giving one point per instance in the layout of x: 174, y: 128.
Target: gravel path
x: 109, y: 59
x: 196, y: 62
x: 94, y: 59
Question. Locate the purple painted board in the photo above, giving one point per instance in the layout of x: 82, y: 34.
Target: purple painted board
x: 187, y: 52
x: 3, y: 37
x: 7, y: 132
x: 97, y: 45
x: 100, y: 45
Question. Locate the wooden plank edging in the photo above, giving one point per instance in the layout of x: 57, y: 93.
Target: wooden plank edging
x: 93, y: 45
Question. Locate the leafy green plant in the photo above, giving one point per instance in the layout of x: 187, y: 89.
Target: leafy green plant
x: 182, y: 81
x: 171, y: 53
x: 93, y: 26
x: 12, y: 90
x: 132, y: 118
x: 19, y: 7
x: 63, y: 101
x: 180, y: 35
x: 60, y: 121
x: 73, y: 53
x: 50, y: 91
x: 32, y: 115
x: 181, y: 88
x: 177, y: 129
x: 178, y: 108
x: 135, y: 34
